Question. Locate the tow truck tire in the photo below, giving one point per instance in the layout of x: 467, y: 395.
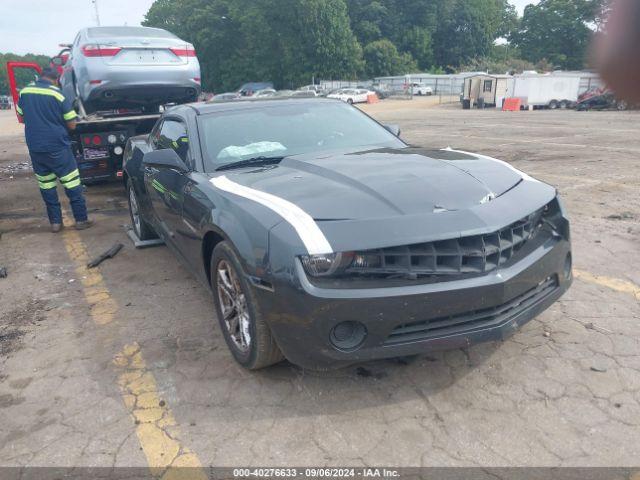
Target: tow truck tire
x: 140, y: 226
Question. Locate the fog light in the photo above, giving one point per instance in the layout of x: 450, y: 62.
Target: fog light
x: 567, y: 266
x: 117, y: 150
x: 112, y: 138
x: 348, y: 335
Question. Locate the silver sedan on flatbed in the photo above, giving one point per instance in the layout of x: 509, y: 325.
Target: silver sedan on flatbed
x: 130, y: 67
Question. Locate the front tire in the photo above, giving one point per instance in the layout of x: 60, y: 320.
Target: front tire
x: 350, y: 101
x: 140, y: 226
x: 247, y: 335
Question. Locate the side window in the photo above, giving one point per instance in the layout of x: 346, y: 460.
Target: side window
x: 173, y: 134
x: 487, y: 86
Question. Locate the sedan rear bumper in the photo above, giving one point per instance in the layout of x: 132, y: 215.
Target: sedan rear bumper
x: 131, y: 95
x: 415, y: 319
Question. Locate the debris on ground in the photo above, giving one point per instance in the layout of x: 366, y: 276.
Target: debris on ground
x: 593, y: 326
x: 3, y: 272
x: 112, y: 252
x: 15, y: 167
x: 598, y: 369
x: 621, y: 216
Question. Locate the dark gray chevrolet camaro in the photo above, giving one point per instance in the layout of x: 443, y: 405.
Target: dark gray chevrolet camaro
x: 327, y: 240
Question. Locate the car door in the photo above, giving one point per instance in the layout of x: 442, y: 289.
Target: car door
x: 164, y: 185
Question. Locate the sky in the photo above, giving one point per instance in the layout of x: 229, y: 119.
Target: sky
x: 38, y: 26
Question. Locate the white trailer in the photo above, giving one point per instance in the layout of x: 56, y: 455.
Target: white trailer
x: 546, y: 90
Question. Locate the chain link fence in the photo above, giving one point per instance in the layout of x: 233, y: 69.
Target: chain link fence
x: 447, y: 88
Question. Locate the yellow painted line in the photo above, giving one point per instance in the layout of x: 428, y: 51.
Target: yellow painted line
x: 156, y: 427
x: 103, y: 306
x: 612, y: 283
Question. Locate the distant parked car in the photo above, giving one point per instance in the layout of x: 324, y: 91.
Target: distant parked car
x: 602, y: 102
x: 316, y: 88
x: 283, y: 93
x: 304, y: 93
x: 225, y: 96
x: 5, y: 103
x: 265, y: 93
x: 350, y: 95
x: 130, y: 67
x: 419, y: 89
x: 592, y: 92
x: 249, y: 89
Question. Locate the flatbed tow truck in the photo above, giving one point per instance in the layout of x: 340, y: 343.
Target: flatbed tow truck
x: 99, y: 140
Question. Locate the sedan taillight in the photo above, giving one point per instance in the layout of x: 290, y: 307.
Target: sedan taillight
x: 187, y: 51
x: 99, y: 50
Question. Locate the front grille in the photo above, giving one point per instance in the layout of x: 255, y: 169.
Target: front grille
x: 473, y: 320
x: 463, y: 255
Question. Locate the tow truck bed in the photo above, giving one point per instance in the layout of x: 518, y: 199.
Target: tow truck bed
x: 98, y: 143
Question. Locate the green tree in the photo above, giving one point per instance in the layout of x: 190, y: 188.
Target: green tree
x: 284, y: 41
x: 382, y: 58
x: 469, y: 28
x: 558, y: 30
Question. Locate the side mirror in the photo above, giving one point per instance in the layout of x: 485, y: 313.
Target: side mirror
x: 166, y: 158
x: 58, y: 61
x: 395, y: 129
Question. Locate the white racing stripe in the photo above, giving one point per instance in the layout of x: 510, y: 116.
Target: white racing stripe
x: 484, y: 157
x: 309, y: 232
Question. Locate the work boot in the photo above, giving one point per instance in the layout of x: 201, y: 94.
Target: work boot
x: 56, y: 227
x: 84, y: 225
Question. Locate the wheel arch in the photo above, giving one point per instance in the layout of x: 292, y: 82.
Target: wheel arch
x: 250, y: 249
x: 209, y: 241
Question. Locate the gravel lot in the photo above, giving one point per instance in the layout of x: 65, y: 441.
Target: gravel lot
x: 124, y: 365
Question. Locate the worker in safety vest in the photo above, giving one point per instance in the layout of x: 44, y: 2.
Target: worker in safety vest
x: 48, y: 117
x: 181, y: 146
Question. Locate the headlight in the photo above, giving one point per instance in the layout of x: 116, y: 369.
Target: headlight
x: 326, y: 264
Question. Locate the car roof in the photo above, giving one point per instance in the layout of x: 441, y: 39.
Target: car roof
x: 203, y: 108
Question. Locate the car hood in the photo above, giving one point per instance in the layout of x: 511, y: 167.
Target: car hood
x: 381, y: 183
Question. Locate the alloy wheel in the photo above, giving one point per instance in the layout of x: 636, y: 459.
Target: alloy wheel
x: 233, y: 305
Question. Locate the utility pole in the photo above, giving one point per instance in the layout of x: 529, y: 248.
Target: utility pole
x: 95, y: 5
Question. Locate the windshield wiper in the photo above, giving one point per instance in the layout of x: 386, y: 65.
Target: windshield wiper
x: 250, y: 162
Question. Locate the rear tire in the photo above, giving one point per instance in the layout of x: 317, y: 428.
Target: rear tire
x: 553, y: 104
x: 247, y: 335
x: 140, y: 226
x: 564, y: 104
x: 350, y: 101
x: 621, y: 105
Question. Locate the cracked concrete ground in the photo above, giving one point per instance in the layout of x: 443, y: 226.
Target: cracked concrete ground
x: 564, y: 390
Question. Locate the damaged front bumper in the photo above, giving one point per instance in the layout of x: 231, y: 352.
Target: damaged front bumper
x: 413, y: 319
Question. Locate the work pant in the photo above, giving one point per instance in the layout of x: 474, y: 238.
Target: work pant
x: 61, y: 165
